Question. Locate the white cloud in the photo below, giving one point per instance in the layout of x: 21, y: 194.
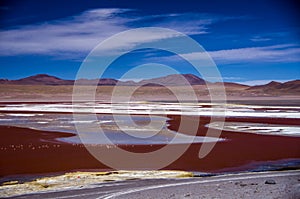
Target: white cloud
x: 135, y: 38
x: 74, y: 34
x: 77, y: 35
x: 189, y: 23
x: 274, y: 53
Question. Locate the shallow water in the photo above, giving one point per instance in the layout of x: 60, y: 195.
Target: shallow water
x: 114, y: 121
x: 119, y: 129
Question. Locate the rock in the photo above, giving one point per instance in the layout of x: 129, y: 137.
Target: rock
x: 241, y: 184
x: 270, y: 182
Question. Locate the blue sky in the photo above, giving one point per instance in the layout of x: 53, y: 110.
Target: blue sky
x: 251, y: 42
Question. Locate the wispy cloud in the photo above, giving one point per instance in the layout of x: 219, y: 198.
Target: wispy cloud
x: 188, y: 23
x: 77, y: 35
x: 259, y: 39
x: 274, y: 53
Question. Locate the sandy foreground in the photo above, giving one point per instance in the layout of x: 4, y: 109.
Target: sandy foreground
x: 75, y: 180
x: 158, y: 184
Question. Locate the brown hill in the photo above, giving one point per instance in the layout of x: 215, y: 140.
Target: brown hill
x: 44, y: 79
x: 290, y: 87
x: 170, y: 80
x: 232, y: 85
x: 174, y: 80
x: 270, y: 85
x: 41, y: 79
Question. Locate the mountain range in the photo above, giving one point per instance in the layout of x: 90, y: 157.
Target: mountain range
x: 274, y: 86
x: 169, y: 80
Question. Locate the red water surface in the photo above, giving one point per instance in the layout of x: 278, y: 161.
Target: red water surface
x: 28, y: 151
